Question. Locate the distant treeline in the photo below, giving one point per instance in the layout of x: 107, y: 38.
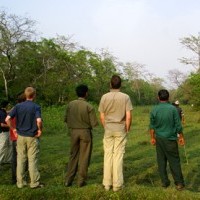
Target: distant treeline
x: 57, y: 65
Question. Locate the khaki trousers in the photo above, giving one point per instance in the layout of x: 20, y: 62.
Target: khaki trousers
x: 114, y: 148
x: 27, y: 148
x: 5, y: 148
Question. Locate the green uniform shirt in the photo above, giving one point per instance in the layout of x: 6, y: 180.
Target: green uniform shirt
x: 80, y: 114
x: 164, y: 119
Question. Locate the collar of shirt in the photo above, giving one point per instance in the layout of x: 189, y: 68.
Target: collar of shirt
x: 114, y: 90
x: 164, y: 102
x: 81, y: 98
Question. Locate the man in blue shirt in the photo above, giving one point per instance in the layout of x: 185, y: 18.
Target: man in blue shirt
x: 28, y: 130
x: 164, y: 126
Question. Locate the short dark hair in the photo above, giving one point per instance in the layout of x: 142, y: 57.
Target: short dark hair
x: 163, y: 95
x: 115, y: 82
x: 81, y: 90
x: 4, y: 104
x: 21, y: 98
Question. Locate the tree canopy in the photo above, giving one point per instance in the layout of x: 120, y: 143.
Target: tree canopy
x: 55, y: 66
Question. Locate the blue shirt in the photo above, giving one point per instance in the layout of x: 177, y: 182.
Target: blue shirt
x: 164, y: 119
x: 26, y: 114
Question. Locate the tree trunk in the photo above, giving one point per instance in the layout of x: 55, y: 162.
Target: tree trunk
x: 5, y: 83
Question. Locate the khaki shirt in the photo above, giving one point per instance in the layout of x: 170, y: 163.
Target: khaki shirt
x: 80, y: 114
x: 114, y: 105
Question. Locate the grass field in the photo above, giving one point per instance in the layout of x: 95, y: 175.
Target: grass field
x: 140, y: 169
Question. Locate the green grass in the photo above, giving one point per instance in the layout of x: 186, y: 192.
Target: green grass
x: 140, y: 169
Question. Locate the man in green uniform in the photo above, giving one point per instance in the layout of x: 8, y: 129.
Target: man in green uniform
x: 80, y: 118
x: 164, y: 126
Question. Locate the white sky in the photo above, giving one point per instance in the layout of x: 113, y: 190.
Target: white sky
x: 143, y: 31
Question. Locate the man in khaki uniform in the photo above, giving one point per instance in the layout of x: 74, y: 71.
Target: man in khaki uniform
x: 115, y: 115
x: 80, y: 118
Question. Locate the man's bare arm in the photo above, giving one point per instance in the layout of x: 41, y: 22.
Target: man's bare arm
x: 128, y: 120
x: 39, y: 125
x: 102, y: 118
x: 10, y: 125
x: 153, y: 139
x: 8, y: 121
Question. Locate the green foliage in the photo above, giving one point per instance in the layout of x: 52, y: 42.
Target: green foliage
x: 146, y: 95
x: 194, y: 82
x: 56, y: 66
x: 192, y: 43
x: 189, y: 92
x: 55, y: 72
x: 140, y: 169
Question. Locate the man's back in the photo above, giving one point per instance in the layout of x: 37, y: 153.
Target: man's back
x: 80, y: 114
x: 165, y: 121
x: 26, y: 114
x: 114, y: 105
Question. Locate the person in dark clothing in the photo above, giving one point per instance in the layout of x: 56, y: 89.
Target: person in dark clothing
x: 80, y: 118
x: 164, y: 126
x: 5, y: 142
x: 180, y: 111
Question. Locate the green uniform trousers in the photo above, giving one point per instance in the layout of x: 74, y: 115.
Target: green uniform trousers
x: 167, y: 150
x: 80, y: 154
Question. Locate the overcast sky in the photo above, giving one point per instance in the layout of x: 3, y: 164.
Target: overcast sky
x: 143, y: 31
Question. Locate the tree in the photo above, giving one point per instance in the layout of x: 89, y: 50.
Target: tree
x: 194, y: 82
x: 103, y: 66
x: 13, y: 29
x: 28, y: 66
x: 192, y: 43
x: 141, y: 85
x: 176, y: 77
x: 156, y: 83
x: 56, y: 71
x: 133, y: 72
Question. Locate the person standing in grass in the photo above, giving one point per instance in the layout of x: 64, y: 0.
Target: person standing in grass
x: 13, y: 138
x: 28, y: 130
x: 164, y: 126
x: 180, y: 111
x: 80, y: 118
x: 115, y: 114
x: 5, y: 142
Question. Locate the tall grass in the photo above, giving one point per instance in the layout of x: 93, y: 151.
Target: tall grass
x: 140, y: 169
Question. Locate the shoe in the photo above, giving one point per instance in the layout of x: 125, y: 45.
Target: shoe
x: 41, y: 185
x: 116, y: 189
x: 107, y: 187
x: 82, y: 184
x: 180, y: 187
x: 20, y: 186
x: 25, y: 184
